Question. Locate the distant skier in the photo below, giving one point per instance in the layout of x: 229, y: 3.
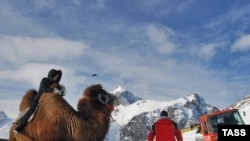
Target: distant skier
x: 164, y: 129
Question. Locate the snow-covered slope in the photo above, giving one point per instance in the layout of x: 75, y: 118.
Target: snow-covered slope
x: 5, y: 123
x: 244, y: 108
x: 135, y: 119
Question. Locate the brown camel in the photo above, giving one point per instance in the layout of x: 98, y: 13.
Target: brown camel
x: 56, y: 120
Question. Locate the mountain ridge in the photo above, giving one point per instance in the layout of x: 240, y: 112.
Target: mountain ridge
x: 185, y: 111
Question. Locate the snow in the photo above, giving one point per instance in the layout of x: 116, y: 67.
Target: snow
x: 5, y: 123
x: 114, y: 132
x: 4, y: 130
x: 10, y: 108
x: 136, y: 108
x: 117, y: 89
x: 190, y: 136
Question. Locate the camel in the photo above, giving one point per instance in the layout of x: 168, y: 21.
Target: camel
x: 57, y: 120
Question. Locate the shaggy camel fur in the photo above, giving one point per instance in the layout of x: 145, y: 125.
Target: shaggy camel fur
x: 56, y: 120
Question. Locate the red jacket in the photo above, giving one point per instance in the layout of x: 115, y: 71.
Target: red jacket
x: 164, y: 130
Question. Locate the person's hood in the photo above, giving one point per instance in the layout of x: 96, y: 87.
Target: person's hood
x: 53, y: 73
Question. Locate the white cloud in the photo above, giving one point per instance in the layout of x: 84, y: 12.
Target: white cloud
x: 207, y: 51
x: 242, y: 44
x: 235, y: 14
x: 45, y: 4
x: 163, y: 7
x: 33, y: 73
x: 99, y: 4
x: 149, y: 5
x: 183, y: 6
x: 77, y: 2
x: 160, y: 39
x: 18, y: 49
x: 123, y: 52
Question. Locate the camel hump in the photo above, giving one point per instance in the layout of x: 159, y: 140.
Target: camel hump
x: 27, y: 98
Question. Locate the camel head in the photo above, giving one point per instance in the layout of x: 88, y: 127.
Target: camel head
x: 97, y: 97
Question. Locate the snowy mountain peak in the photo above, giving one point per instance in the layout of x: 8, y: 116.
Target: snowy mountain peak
x: 124, y: 97
x: 140, y: 115
x: 3, y: 119
x: 2, y: 116
x: 117, y: 90
x: 200, y: 103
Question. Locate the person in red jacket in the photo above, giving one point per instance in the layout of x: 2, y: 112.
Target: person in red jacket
x: 164, y: 129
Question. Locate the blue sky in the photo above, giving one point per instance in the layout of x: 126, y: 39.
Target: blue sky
x: 159, y: 49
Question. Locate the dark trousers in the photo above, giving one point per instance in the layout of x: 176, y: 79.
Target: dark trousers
x: 23, y: 121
